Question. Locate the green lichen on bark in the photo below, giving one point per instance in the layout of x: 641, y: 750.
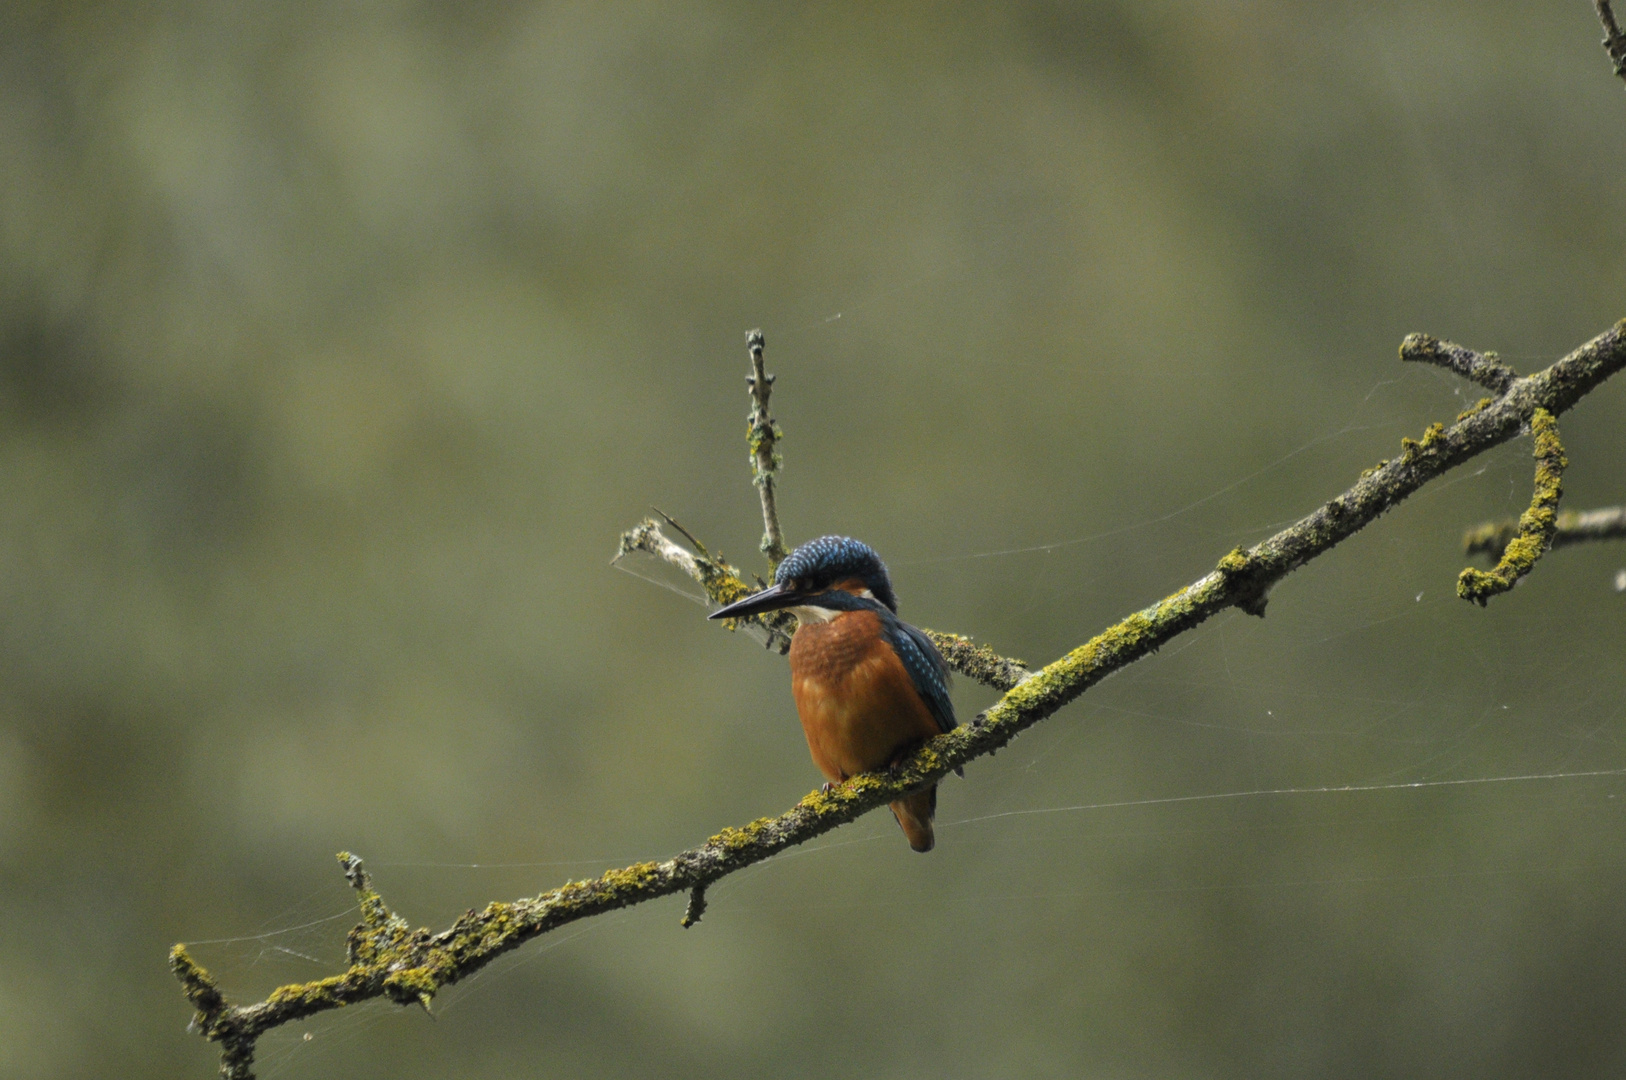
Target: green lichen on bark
x: 1536, y: 525
x: 723, y: 582
x: 391, y: 961
x: 197, y: 984
x: 979, y: 662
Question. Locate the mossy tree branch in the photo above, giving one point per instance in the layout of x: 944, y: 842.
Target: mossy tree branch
x: 722, y: 582
x: 1482, y: 368
x: 388, y: 960
x: 1536, y: 525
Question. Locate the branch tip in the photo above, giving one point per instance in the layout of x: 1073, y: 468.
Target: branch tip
x: 1537, y: 525
x: 354, y: 872
x: 1484, y: 369
x: 696, y: 908
x: 198, y: 985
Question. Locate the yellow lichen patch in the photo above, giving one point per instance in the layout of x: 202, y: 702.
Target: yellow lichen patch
x: 196, y: 982
x: 867, y: 784
x: 1536, y: 525
x: 311, y: 996
x: 411, y: 984
x: 1410, y: 448
x: 496, y: 923
x: 822, y: 802
x: 1478, y: 406
x: 926, y: 760
x: 1060, y: 677
x: 632, y: 878
x: 733, y: 839
x: 1177, y: 604
x: 721, y: 583
x: 1234, y: 562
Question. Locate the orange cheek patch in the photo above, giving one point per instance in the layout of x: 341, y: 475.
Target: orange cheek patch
x: 855, y: 586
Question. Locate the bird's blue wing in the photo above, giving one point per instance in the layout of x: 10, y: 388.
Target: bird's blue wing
x: 926, y: 667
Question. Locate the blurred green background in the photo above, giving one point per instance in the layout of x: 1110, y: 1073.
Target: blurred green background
x: 338, y: 342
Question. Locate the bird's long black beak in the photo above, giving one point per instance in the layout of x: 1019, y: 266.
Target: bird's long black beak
x: 772, y: 598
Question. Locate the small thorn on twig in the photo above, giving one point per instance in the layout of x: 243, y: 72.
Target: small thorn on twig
x: 354, y: 872
x: 697, y: 906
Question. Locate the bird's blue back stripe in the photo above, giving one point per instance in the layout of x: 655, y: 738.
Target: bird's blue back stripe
x: 926, y: 667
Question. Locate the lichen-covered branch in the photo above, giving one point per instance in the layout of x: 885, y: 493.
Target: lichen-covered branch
x: 1482, y: 368
x: 1614, y: 41
x: 388, y: 960
x: 721, y: 581
x: 1570, y: 527
x: 979, y: 662
x: 763, y: 435
x: 1536, y: 525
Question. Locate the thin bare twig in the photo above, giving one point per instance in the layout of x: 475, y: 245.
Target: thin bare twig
x: 1484, y: 369
x: 407, y: 967
x: 763, y: 436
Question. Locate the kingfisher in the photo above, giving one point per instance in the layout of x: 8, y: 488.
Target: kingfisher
x: 869, y: 687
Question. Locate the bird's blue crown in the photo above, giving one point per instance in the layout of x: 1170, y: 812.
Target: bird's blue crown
x: 822, y: 563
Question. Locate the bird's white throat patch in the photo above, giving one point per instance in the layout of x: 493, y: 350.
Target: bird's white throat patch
x: 805, y: 615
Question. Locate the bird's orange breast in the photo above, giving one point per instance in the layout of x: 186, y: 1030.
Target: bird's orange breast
x: 858, y: 706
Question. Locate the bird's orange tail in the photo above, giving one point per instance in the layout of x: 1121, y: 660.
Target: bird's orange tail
x: 914, y: 813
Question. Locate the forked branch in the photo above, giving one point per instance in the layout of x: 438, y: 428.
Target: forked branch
x: 388, y: 960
